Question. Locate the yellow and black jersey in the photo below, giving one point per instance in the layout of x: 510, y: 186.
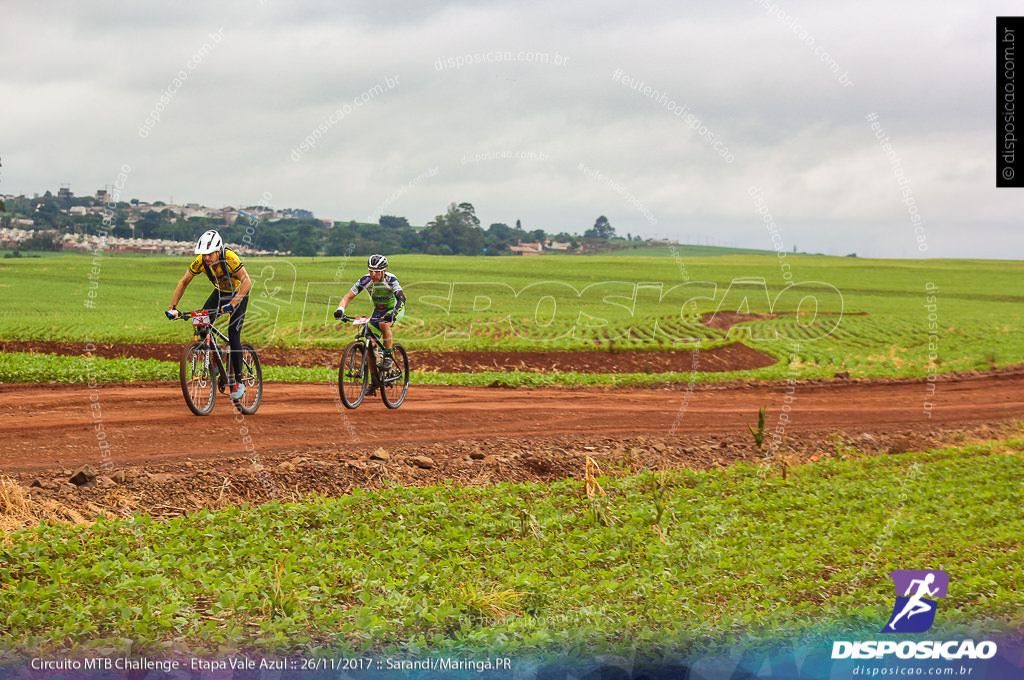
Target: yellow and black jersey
x: 216, y: 273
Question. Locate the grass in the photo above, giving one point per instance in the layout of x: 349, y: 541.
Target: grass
x: 24, y: 367
x: 689, y: 251
x: 873, y: 317
x: 683, y: 561
x: 8, y: 253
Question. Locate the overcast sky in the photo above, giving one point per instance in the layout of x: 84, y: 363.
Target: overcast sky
x: 534, y: 125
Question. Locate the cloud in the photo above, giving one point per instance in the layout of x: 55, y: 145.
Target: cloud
x: 763, y: 78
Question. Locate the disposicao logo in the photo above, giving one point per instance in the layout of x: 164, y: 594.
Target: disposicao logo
x: 914, y: 612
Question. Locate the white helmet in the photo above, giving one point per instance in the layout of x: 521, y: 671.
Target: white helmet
x: 209, y: 242
x: 377, y: 263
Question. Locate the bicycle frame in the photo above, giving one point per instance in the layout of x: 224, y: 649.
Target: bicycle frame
x: 208, y: 333
x: 206, y: 367
x: 367, y: 336
x: 361, y: 370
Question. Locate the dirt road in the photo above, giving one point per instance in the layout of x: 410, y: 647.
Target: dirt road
x: 61, y: 427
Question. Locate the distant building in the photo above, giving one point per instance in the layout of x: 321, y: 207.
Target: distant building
x: 525, y: 249
x: 557, y: 245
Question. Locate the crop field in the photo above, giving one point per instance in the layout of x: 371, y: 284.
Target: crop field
x: 675, y: 562
x: 817, y: 316
x: 569, y: 523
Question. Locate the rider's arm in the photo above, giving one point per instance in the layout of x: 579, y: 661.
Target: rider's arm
x: 399, y: 300
x: 179, y: 290
x: 244, y: 285
x: 345, y: 300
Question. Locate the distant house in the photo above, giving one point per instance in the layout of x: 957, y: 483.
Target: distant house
x: 150, y: 207
x: 557, y: 245
x: 526, y: 249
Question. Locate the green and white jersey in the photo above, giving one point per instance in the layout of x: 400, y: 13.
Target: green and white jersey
x: 381, y: 292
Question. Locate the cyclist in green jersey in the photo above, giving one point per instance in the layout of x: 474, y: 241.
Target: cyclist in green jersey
x: 388, y: 301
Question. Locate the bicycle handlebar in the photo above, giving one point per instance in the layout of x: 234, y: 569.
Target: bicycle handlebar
x: 188, y: 315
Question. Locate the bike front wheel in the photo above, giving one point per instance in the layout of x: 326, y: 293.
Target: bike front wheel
x: 198, y: 378
x: 252, y: 378
x: 395, y: 382
x: 353, y: 375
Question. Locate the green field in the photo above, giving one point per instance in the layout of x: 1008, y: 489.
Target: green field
x: 654, y: 563
x: 670, y: 564
x: 870, y: 317
x: 686, y: 251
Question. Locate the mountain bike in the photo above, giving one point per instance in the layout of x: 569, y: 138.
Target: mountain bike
x: 206, y: 368
x: 359, y: 374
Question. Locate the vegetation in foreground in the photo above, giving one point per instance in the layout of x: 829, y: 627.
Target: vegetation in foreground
x: 666, y: 563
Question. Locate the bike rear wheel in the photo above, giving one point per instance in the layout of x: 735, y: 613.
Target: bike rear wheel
x: 353, y: 375
x: 198, y: 378
x: 395, y: 383
x: 252, y: 378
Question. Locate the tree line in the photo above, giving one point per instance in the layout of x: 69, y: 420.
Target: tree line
x: 457, y: 231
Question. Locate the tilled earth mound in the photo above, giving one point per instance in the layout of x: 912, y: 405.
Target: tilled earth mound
x: 732, y: 357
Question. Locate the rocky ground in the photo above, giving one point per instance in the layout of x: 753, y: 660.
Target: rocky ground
x: 185, y: 486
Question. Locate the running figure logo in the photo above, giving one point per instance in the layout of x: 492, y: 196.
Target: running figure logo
x: 914, y: 612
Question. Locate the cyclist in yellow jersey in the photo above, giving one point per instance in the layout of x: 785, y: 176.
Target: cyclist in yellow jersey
x: 230, y: 294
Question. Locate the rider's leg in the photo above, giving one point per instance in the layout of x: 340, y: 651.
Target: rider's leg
x: 388, y: 338
x: 235, y: 336
x: 386, y: 329
x: 212, y: 302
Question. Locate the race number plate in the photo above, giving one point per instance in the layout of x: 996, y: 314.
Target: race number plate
x: 201, y: 320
